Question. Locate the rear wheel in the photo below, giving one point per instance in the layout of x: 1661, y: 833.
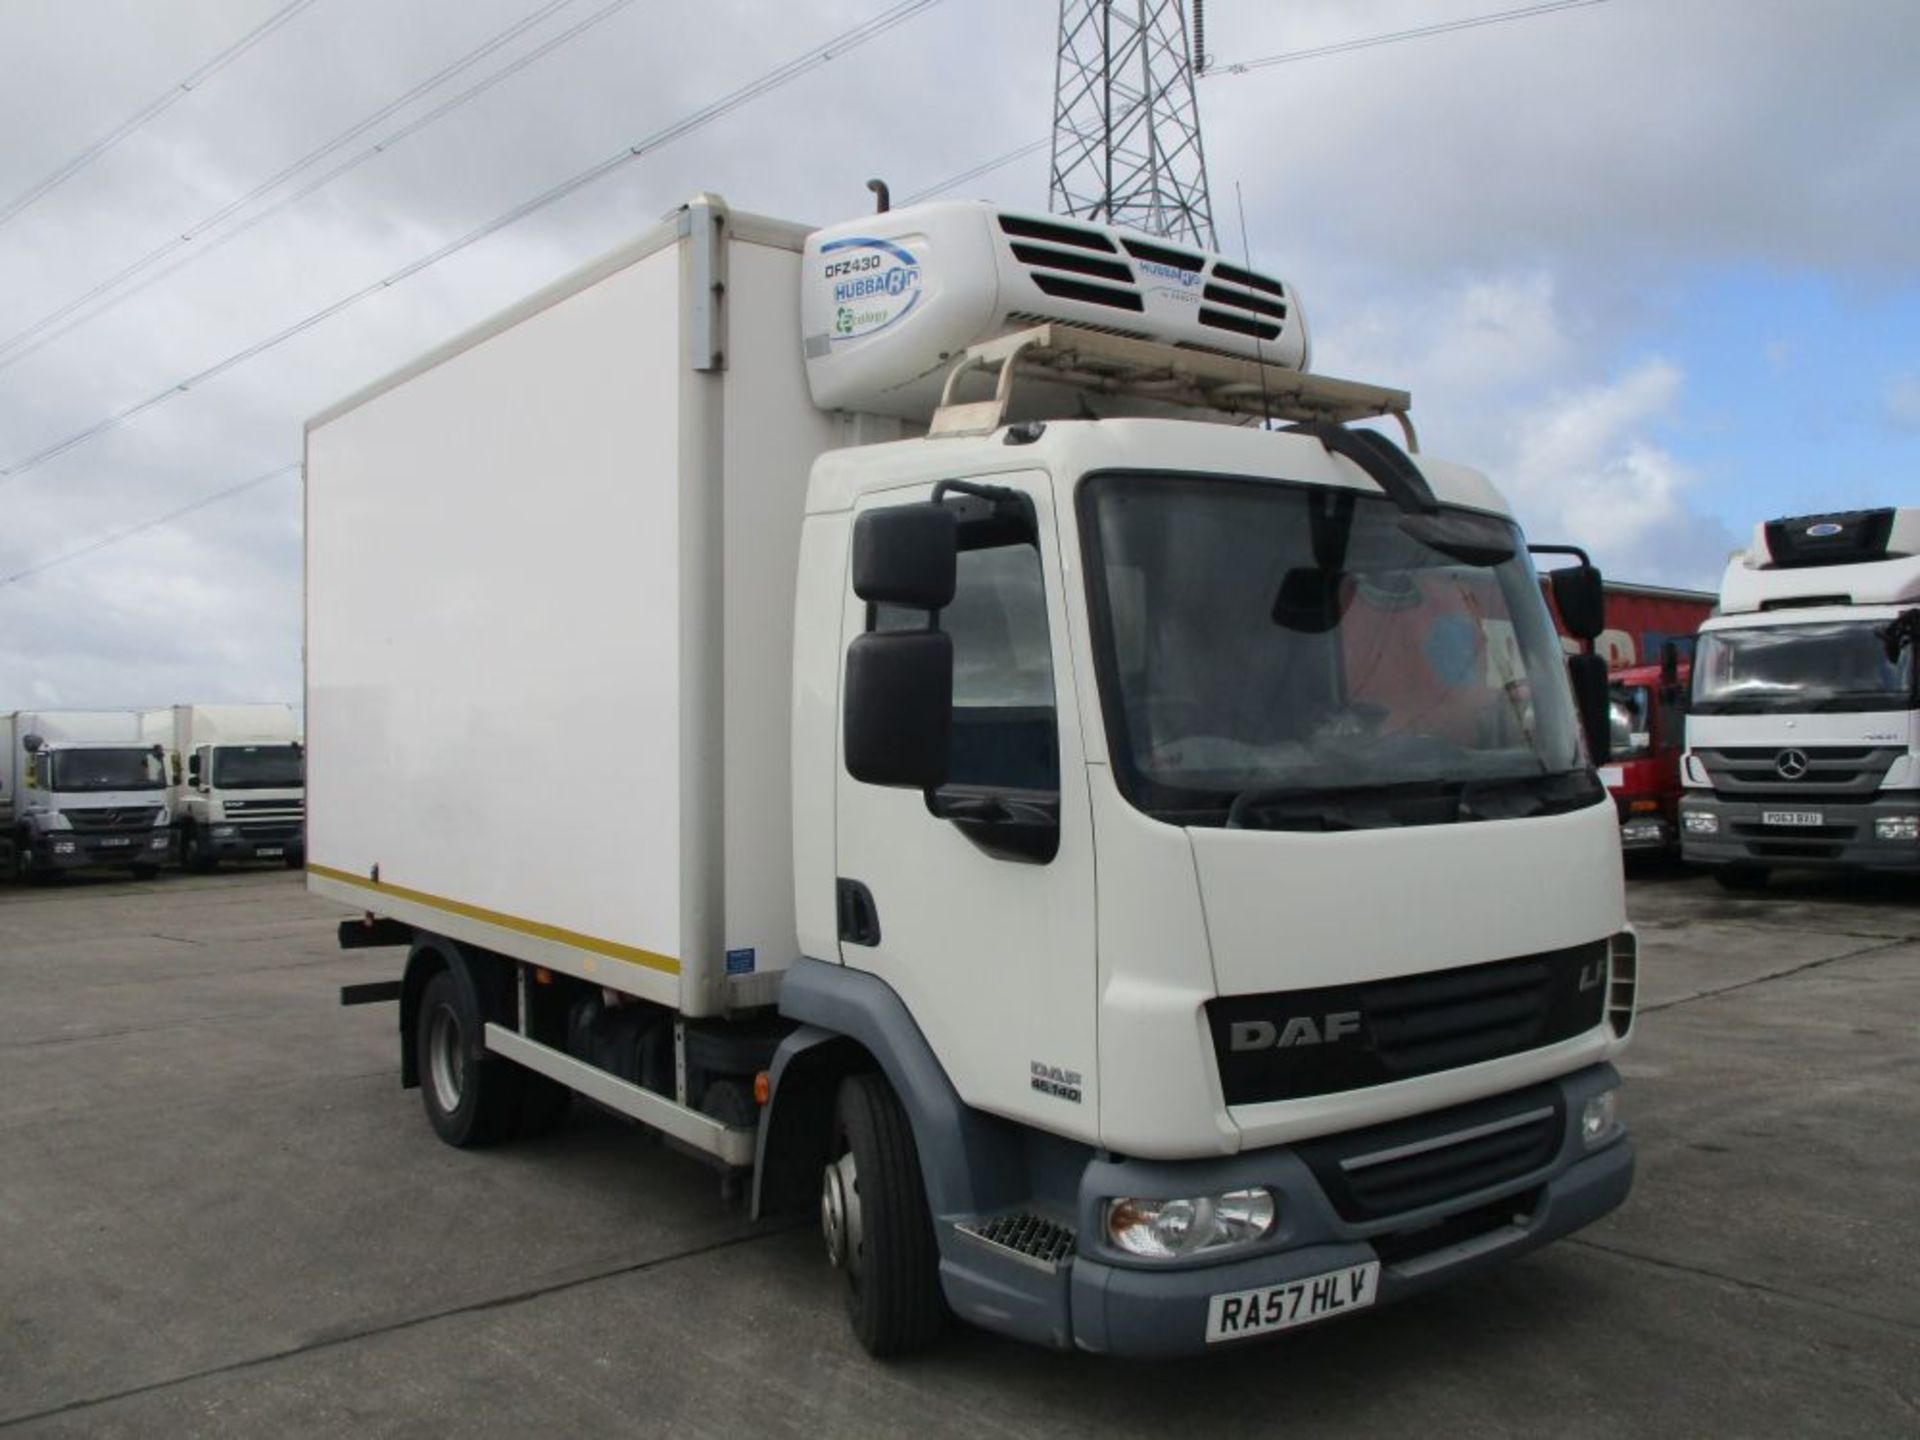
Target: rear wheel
x: 873, y: 1213
x: 1741, y: 877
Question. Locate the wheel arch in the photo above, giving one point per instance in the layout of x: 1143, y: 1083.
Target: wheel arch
x: 486, y: 979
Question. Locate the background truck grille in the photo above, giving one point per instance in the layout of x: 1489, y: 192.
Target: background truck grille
x: 94, y: 820
x: 1752, y: 772
x: 1408, y: 1165
x: 1346, y: 1037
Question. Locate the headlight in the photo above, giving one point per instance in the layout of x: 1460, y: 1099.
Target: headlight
x: 225, y: 832
x: 1173, y: 1229
x: 63, y: 847
x: 1599, y: 1120
x: 1897, y: 827
x: 1701, y: 822
x: 157, y: 842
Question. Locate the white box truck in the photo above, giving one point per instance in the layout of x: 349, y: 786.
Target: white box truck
x: 877, y: 705
x: 82, y: 789
x: 1803, y: 731
x: 237, y: 782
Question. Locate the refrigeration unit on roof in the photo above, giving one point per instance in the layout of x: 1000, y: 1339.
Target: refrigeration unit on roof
x: 890, y: 300
x: 1850, y: 557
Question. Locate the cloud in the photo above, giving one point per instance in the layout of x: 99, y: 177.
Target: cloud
x: 1900, y: 404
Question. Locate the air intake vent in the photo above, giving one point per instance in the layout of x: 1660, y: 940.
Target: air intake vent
x: 1622, y: 977
x: 1028, y: 317
x: 1219, y: 295
x: 1031, y: 1238
x: 1062, y: 288
x: 1160, y: 255
x: 1029, y: 229
x: 1040, y: 255
x: 1239, y: 324
x: 1803, y: 602
x: 1234, y: 275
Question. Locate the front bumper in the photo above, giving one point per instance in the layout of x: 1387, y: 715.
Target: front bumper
x: 1103, y: 1301
x: 1843, y: 840
x: 81, y: 850
x: 273, y: 844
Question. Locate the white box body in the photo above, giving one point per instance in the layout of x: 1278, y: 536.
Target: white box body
x: 550, y: 577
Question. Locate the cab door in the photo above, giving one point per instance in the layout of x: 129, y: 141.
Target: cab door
x: 973, y: 899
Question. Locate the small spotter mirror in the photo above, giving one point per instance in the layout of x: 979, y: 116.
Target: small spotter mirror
x: 906, y: 555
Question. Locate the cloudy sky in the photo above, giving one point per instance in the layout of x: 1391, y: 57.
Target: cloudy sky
x: 1651, y: 263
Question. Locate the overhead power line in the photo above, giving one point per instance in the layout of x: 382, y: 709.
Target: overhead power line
x: 171, y: 96
x: 167, y: 519
x: 1421, y: 32
x: 725, y: 105
x: 1213, y: 71
x: 50, y: 327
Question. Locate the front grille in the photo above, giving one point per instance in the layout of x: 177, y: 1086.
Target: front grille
x: 1408, y: 1165
x: 97, y: 820
x: 1288, y: 1044
x: 1752, y: 772
x: 237, y: 808
x: 268, y: 830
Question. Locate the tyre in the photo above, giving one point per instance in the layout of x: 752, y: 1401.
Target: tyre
x: 873, y: 1213
x: 472, y: 1097
x: 194, y: 854
x: 1741, y: 877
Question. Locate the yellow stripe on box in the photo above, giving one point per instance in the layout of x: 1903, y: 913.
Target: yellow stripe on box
x: 632, y: 954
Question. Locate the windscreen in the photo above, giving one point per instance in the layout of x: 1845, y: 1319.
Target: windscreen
x: 1291, y: 657
x: 132, y: 768
x: 1831, y: 666
x: 258, y: 767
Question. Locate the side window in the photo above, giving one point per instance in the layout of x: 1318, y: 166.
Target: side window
x: 1005, y: 734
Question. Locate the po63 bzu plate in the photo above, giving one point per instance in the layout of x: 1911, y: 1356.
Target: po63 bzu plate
x: 1299, y: 1302
x: 270, y: 852
x: 1792, y: 817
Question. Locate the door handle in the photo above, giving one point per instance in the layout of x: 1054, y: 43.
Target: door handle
x: 859, y: 916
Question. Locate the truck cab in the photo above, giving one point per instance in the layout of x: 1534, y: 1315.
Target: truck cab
x: 1647, y: 715
x: 237, y: 776
x: 1803, y: 737
x: 88, y: 793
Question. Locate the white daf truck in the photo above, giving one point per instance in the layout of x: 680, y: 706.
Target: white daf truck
x: 1803, y: 731
x: 1136, y: 871
x: 82, y: 789
x: 236, y: 782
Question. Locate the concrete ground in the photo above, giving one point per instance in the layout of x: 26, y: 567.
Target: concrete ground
x: 219, y: 1214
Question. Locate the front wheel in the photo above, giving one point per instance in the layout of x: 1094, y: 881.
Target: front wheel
x: 470, y: 1096
x: 195, y: 855
x: 874, y: 1215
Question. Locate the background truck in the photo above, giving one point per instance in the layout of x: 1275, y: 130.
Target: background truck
x: 1135, y: 872
x: 1648, y: 645
x: 86, y: 791
x: 1803, y: 731
x: 237, y: 782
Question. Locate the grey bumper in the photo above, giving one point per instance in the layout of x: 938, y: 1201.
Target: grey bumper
x: 1104, y: 1301
x: 80, y: 850
x: 1843, y: 840
x: 244, y: 846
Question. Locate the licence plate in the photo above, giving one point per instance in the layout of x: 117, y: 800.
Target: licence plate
x: 269, y: 852
x: 115, y: 840
x: 1791, y: 817
x: 1281, y: 1307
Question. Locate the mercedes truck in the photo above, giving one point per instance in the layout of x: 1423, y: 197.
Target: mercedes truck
x: 1803, y: 727
x: 236, y: 776
x: 82, y: 790
x: 1000, y: 756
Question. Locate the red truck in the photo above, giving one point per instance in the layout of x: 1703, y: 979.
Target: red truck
x: 1648, y: 645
